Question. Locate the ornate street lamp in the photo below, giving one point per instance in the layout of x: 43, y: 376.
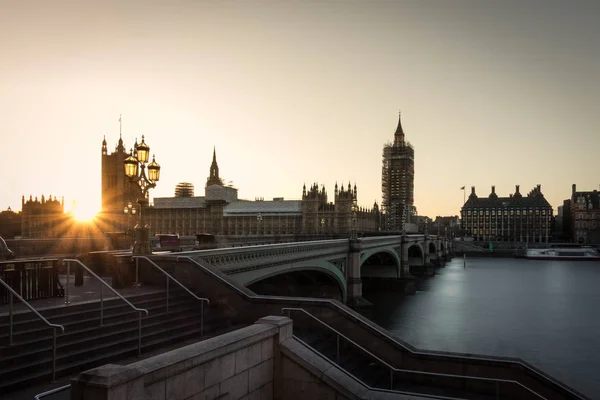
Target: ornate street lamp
x: 258, y: 220
x: 135, y: 170
x: 354, y: 210
x: 322, y: 226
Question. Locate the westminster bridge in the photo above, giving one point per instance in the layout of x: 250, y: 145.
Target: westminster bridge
x: 345, y: 263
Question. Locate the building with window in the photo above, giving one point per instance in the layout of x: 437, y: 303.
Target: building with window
x: 584, y: 216
x: 45, y: 218
x: 515, y: 218
x: 397, y: 181
x: 220, y: 212
x: 117, y: 191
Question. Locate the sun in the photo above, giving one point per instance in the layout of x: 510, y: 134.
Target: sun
x: 83, y: 213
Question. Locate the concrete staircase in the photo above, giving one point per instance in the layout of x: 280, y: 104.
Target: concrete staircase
x: 85, y: 344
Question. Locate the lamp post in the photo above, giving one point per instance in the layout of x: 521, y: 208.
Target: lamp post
x: 354, y: 209
x: 322, y: 226
x: 258, y: 219
x: 135, y: 170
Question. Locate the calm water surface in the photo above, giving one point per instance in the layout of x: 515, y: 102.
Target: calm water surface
x: 544, y: 312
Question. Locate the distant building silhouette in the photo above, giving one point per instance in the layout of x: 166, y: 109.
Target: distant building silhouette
x: 44, y: 218
x: 184, y: 189
x: 397, y: 180
x: 117, y: 190
x: 220, y: 212
x: 10, y: 223
x: 514, y: 218
x: 584, y: 216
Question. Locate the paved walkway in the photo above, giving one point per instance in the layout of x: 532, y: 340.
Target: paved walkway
x: 88, y: 292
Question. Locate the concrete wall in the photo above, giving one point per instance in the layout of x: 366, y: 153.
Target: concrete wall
x: 236, y: 365
x: 260, y: 362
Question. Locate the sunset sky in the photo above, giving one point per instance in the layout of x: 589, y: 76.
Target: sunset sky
x: 291, y: 92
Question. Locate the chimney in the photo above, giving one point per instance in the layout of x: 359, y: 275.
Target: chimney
x: 516, y: 189
x: 539, y: 188
x: 473, y: 190
x: 574, y: 188
x: 493, y: 189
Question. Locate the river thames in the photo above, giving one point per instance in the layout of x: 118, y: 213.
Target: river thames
x: 544, y: 312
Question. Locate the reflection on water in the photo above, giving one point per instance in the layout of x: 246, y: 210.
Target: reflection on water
x: 545, y: 312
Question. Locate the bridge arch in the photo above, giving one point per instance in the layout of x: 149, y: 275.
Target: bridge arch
x: 416, y: 255
x: 319, y: 269
x: 386, y: 256
x: 432, y: 249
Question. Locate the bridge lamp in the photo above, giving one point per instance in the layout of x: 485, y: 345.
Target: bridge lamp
x: 354, y: 210
x: 322, y: 225
x: 135, y: 170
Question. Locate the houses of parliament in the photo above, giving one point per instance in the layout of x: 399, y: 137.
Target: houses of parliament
x: 221, y: 212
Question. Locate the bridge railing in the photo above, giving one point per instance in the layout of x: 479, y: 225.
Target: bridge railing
x: 265, y: 247
x: 245, y: 306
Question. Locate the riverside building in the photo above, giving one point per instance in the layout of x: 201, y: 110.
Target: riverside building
x: 515, y: 218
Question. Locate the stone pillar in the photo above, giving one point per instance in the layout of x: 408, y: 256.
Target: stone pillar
x: 353, y: 280
x: 429, y: 267
x: 405, y: 264
x: 109, y: 382
x: 426, y: 255
x: 284, y: 324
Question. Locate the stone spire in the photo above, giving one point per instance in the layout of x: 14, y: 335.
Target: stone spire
x: 213, y: 178
x: 399, y: 134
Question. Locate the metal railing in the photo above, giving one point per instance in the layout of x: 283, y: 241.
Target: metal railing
x: 68, y: 262
x: 40, y: 316
x: 406, y: 371
x: 359, y: 319
x: 170, y: 277
x: 51, y: 392
x: 31, y: 278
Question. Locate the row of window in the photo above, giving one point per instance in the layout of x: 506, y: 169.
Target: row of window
x: 587, y: 215
x: 509, y: 212
x: 586, y: 225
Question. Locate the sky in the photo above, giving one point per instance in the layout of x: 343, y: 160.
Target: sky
x: 292, y: 92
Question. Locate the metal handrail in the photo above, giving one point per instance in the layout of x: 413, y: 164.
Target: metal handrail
x: 53, y: 391
x: 359, y: 319
x: 169, y: 276
x: 68, y: 261
x: 40, y: 316
x: 394, y: 369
